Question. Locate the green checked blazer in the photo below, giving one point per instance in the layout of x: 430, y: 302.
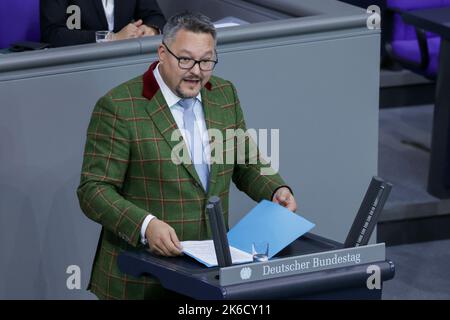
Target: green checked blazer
x: 128, y: 173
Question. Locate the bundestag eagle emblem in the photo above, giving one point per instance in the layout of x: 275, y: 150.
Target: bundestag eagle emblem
x: 246, y: 273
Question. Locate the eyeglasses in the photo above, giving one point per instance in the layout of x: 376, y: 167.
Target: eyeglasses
x: 187, y: 63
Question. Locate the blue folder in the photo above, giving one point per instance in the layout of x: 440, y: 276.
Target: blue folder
x: 271, y: 223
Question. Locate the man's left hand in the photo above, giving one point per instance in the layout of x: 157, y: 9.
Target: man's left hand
x: 285, y: 198
x: 148, y: 31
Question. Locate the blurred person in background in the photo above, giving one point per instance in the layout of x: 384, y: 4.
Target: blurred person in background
x: 124, y: 19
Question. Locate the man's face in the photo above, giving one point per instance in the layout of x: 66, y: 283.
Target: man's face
x: 187, y: 44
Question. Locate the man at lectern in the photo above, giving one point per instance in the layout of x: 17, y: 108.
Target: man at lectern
x: 133, y: 182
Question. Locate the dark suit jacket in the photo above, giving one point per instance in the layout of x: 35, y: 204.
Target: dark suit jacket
x: 54, y: 18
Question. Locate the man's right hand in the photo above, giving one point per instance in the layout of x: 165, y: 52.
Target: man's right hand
x: 131, y: 30
x: 162, y: 239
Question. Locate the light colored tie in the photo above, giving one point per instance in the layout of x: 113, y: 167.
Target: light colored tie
x: 195, y: 141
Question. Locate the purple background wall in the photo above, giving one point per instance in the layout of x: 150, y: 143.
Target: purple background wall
x: 19, y: 20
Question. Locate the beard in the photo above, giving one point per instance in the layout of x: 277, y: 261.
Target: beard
x: 183, y: 93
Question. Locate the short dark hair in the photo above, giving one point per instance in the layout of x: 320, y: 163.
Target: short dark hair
x: 191, y: 21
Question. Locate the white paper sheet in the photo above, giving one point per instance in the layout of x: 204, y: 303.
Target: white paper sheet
x: 204, y: 252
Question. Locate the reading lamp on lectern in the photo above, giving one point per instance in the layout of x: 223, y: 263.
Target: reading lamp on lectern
x: 219, y: 232
x: 368, y: 213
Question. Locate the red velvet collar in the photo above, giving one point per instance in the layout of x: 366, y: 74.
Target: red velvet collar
x: 151, y: 86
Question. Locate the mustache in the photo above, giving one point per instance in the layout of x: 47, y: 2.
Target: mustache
x: 192, y: 78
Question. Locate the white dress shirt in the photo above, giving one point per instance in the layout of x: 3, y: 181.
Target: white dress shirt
x: 108, y: 5
x: 177, y: 113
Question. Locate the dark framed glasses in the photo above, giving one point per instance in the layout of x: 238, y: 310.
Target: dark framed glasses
x: 187, y: 63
